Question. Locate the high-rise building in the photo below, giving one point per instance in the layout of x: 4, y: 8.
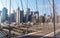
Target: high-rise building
x: 12, y: 17
x: 37, y: 16
x: 33, y: 17
x: 27, y: 14
x: 0, y: 17
x: 21, y: 16
x: 4, y: 14
x: 18, y: 15
x: 14, y: 14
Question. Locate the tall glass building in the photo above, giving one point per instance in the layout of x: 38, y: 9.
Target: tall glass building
x: 4, y: 14
x: 18, y: 15
x: 0, y: 17
x: 27, y: 14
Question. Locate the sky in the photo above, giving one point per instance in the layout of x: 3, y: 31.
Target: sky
x: 43, y: 5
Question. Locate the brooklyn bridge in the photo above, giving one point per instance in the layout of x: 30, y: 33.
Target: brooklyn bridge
x: 30, y: 19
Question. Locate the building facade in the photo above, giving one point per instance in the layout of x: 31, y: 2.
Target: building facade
x: 21, y: 16
x: 37, y: 16
x: 27, y: 14
x: 0, y: 16
x: 18, y: 15
x: 4, y: 14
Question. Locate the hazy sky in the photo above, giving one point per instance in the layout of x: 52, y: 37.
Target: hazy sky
x: 43, y: 5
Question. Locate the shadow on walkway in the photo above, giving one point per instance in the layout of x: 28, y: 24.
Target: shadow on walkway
x: 37, y: 37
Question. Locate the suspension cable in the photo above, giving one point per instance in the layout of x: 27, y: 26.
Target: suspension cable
x: 54, y: 10
x: 27, y: 3
x: 36, y: 6
x: 6, y: 3
x: 52, y: 6
x: 50, y: 3
x: 12, y: 6
x: 9, y: 21
x: 16, y: 3
x: 21, y: 4
x: 2, y: 3
x: 43, y: 5
x: 54, y: 19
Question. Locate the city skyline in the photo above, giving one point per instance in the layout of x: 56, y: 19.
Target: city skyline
x: 46, y: 8
x: 29, y: 18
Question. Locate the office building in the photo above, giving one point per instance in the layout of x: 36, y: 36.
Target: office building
x: 18, y: 15
x: 27, y: 14
x: 36, y: 16
x: 33, y: 17
x: 21, y: 16
x: 4, y: 14
x: 0, y: 17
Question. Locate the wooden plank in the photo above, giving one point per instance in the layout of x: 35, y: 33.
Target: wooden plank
x: 12, y: 32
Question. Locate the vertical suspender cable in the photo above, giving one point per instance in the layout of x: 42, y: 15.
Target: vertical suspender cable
x: 43, y: 6
x: 54, y: 19
x: 6, y: 3
x: 27, y: 3
x: 21, y: 4
x: 50, y: 3
x: 9, y: 22
x: 16, y: 3
x: 55, y: 10
x: 36, y: 6
x: 10, y: 7
x: 37, y: 9
x: 2, y: 3
x: 18, y: 12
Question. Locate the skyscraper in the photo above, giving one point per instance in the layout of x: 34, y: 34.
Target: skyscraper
x: 37, y: 16
x: 21, y: 16
x: 4, y: 14
x: 12, y: 16
x: 32, y: 17
x: 18, y: 15
x: 27, y: 14
x: 0, y: 17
